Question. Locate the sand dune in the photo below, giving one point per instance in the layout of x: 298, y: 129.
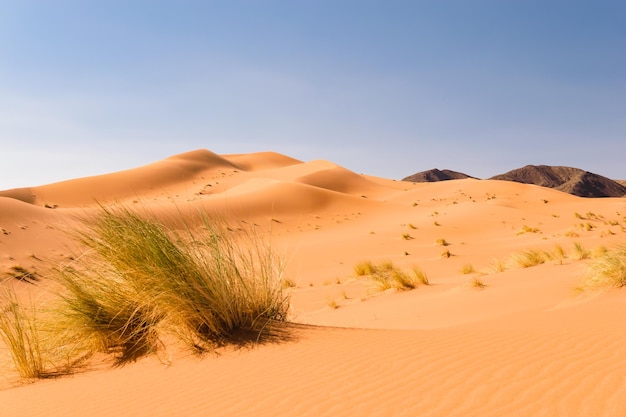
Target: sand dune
x: 525, y: 344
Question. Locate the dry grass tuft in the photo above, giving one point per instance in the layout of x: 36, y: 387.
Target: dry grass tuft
x: 141, y: 278
x: 579, y: 252
x: 607, y: 270
x: 528, y: 258
x: 38, y: 347
x: 477, y: 283
x: 527, y: 229
x: 386, y: 276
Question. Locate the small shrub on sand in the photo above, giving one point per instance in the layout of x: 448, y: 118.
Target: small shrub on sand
x: 496, y: 265
x: 386, y: 275
x: 477, y: 283
x: 19, y: 332
x: 420, y: 276
x: 446, y: 254
x: 442, y: 242
x: 140, y: 277
x: 407, y: 236
x: 558, y: 253
x: 607, y: 270
x: 364, y: 268
x: 527, y: 229
x: 37, y: 346
x: 468, y: 269
x: 529, y: 258
x: 579, y: 252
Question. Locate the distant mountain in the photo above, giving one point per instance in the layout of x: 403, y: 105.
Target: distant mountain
x: 570, y: 180
x: 434, y: 175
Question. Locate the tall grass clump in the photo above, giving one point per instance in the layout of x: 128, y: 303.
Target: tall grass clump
x: 607, y: 270
x: 20, y: 333
x: 140, y: 278
x: 529, y: 258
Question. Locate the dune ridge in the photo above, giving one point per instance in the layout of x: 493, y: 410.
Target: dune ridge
x: 523, y: 343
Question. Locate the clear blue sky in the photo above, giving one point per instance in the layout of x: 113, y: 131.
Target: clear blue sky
x: 386, y: 87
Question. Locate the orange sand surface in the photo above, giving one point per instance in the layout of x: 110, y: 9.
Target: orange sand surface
x: 527, y: 344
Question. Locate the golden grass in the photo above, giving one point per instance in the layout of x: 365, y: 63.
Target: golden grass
x: 468, y: 269
x: 477, y: 283
x: 386, y: 276
x: 580, y: 252
x: 527, y: 229
x: 38, y: 346
x: 20, y: 333
x: 607, y: 270
x: 140, y: 278
x: 528, y: 258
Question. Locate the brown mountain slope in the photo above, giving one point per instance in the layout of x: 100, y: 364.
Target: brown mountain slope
x: 435, y: 174
x: 567, y: 179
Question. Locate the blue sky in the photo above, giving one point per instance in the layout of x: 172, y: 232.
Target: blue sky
x: 387, y: 88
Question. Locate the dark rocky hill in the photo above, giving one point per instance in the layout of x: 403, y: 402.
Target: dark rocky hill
x: 434, y: 175
x: 567, y: 179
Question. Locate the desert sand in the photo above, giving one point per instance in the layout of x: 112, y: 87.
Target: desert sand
x: 524, y: 343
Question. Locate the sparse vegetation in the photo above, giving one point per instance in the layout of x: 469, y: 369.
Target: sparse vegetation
x: 580, y: 252
x: 528, y: 258
x: 442, y: 242
x: 496, y: 265
x: 558, y: 254
x: 386, y: 275
x: 141, y: 278
x: 527, y: 229
x: 332, y: 303
x: 364, y: 268
x: 468, y: 269
x: 446, y: 254
x: 20, y: 333
x: 477, y: 283
x: 607, y: 270
x: 407, y: 236
x: 420, y: 276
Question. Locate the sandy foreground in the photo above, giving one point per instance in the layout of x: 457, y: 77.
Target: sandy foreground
x: 526, y: 344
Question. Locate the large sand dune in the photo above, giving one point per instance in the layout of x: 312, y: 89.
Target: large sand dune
x: 526, y: 344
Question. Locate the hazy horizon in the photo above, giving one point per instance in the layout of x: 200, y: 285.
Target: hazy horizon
x: 383, y: 88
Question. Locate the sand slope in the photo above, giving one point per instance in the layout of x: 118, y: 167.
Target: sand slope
x: 524, y: 345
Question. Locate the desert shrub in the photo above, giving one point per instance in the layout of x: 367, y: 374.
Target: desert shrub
x: 442, y: 242
x: 364, y: 268
x: 19, y: 332
x: 386, y: 275
x: 38, y: 346
x: 496, y: 265
x: 468, y: 269
x: 477, y: 283
x: 529, y: 258
x: 607, y: 270
x: 140, y: 277
x: 420, y: 276
x: 527, y: 229
x: 579, y: 252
